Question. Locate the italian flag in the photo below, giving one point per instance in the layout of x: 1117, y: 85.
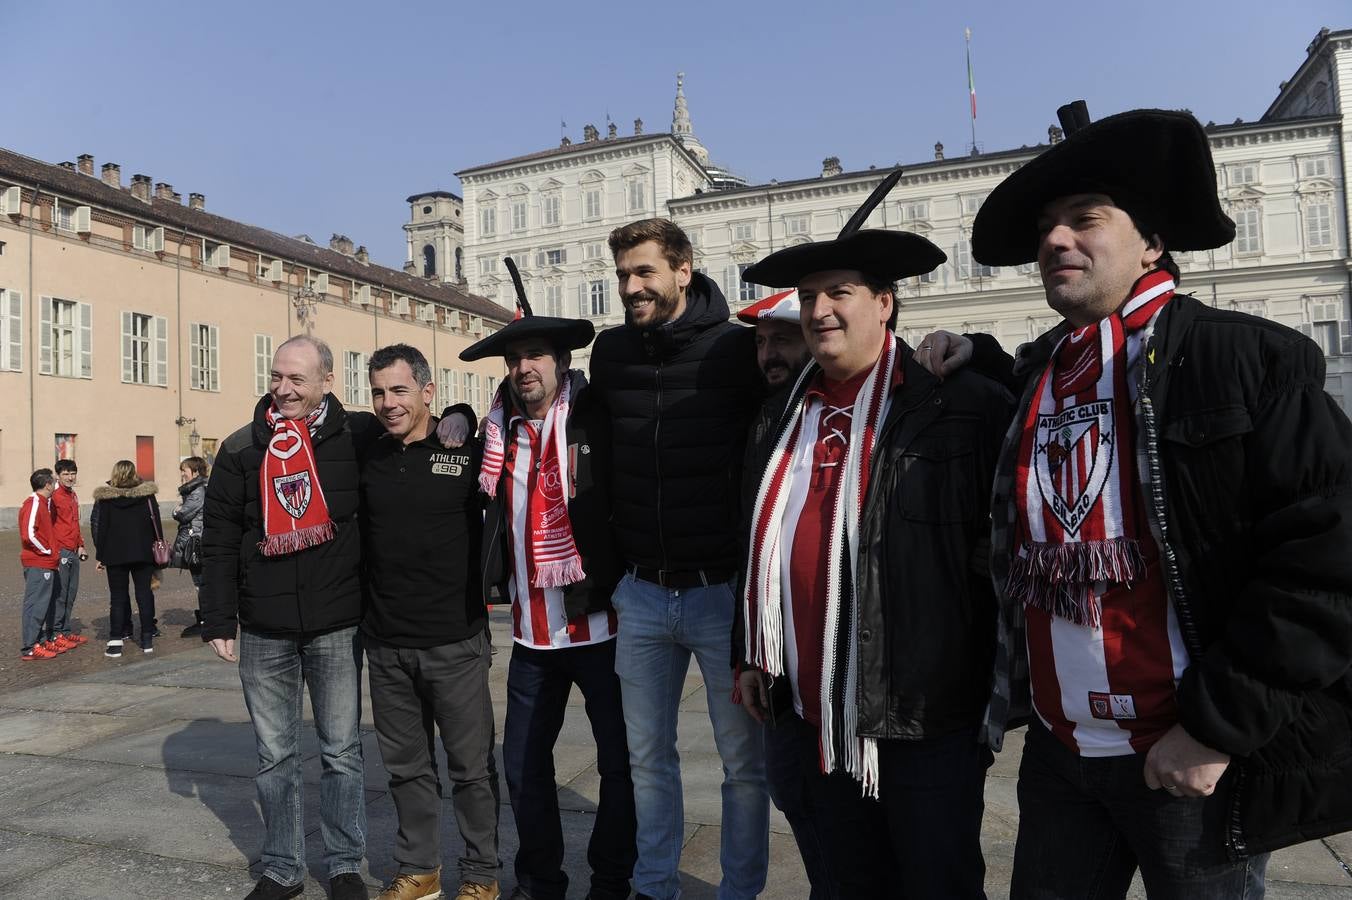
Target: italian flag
x: 971, y: 82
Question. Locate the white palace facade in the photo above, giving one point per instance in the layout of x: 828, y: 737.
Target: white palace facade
x: 1283, y: 179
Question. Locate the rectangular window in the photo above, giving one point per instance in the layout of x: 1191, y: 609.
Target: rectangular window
x: 795, y: 225
x: 591, y: 203
x: 1246, y: 173
x: 204, y: 356
x: 472, y: 394
x: 916, y: 211
x: 966, y: 266
x: 598, y: 298
x: 445, y: 389
x: 1040, y: 325
x: 971, y: 203
x: 554, y: 257
x: 552, y: 209
x: 924, y: 278
x: 746, y: 291
x: 145, y: 457
x: 356, y: 387
x: 65, y: 446
x: 1319, y: 225
x: 488, y: 265
x: 492, y: 387
x: 518, y: 215
x: 744, y: 231
x: 554, y: 300
x: 1315, y: 167
x: 638, y: 195
x: 262, y: 364
x: 66, y: 338
x: 488, y: 221
x: 65, y: 215
x: 1248, y: 230
x: 145, y: 349
x: 594, y: 250
x: 11, y: 331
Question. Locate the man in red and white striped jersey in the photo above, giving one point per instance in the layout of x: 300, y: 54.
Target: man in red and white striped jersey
x: 548, y: 547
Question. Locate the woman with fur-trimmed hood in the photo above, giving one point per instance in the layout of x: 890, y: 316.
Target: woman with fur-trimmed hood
x: 125, y: 522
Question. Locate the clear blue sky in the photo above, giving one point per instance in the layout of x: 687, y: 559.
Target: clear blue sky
x: 321, y: 117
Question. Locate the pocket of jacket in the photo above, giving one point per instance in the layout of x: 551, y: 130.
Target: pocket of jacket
x: 935, y: 483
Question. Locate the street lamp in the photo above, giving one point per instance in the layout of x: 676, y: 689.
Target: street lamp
x: 306, y: 304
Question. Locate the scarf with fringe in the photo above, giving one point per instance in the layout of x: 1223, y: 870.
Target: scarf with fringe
x: 295, y: 515
x: 1075, y: 486
x: 550, y: 548
x: 839, y: 744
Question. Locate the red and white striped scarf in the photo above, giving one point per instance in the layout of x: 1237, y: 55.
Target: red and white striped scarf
x: 295, y: 515
x: 550, y: 548
x: 840, y: 746
x: 1076, y: 485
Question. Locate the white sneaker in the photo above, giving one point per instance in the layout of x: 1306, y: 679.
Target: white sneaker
x: 114, y: 649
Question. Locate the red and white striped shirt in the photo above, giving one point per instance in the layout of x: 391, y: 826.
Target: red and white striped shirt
x: 538, y: 613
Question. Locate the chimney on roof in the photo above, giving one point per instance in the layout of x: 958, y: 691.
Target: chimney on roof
x: 589, y: 134
x: 611, y: 130
x: 140, y: 187
x: 831, y: 167
x: 362, y: 256
x: 410, y: 267
x: 341, y: 243
x: 164, y: 191
x: 1055, y: 135
x: 68, y: 165
x: 86, y: 163
x: 938, y: 149
x: 112, y: 175
x: 197, y: 201
x: 638, y: 126
x: 176, y: 197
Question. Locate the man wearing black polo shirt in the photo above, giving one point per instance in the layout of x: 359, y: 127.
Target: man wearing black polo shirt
x: 425, y: 630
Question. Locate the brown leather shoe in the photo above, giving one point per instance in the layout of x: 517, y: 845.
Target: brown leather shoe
x: 472, y: 890
x: 407, y: 886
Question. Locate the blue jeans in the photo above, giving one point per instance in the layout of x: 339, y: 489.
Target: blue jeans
x: 660, y: 628
x: 275, y: 671
x: 538, y: 685
x: 1086, y: 824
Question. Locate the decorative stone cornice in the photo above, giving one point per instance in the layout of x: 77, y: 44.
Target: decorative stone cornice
x: 1274, y: 132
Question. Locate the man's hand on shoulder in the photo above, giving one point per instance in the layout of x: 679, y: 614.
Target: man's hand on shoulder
x: 1183, y: 766
x: 453, y: 430
x: 942, y: 353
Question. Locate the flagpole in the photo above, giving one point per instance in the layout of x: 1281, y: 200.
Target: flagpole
x: 971, y: 87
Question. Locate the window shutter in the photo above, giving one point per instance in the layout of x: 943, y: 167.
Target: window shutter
x: 605, y: 297
x: 127, y: 374
x: 45, y: 337
x: 582, y: 301
x: 730, y: 280
x: 86, y: 340
x: 195, y: 356
x: 214, y: 360
x: 13, y: 335
x: 161, y: 351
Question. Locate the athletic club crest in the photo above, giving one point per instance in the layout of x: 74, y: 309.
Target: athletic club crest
x: 1072, y: 454
x: 293, y: 492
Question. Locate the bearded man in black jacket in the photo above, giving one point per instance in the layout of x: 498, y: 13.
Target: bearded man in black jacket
x: 680, y: 383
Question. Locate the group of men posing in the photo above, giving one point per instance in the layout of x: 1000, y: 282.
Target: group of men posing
x: 1136, y: 538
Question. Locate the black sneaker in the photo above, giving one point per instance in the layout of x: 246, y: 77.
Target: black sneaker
x: 195, y: 629
x: 348, y: 886
x: 113, y: 650
x: 267, y: 889
x: 147, y: 644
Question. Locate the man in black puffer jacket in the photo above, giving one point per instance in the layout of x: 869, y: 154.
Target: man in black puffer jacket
x: 681, y: 384
x: 296, y: 606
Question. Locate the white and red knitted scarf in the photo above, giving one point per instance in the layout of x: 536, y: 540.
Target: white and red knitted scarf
x: 840, y: 745
x: 1076, y: 485
x: 295, y: 515
x: 550, y: 547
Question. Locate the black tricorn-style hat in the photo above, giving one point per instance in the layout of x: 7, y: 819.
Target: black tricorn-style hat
x: 564, y: 334
x: 1154, y: 163
x: 885, y: 255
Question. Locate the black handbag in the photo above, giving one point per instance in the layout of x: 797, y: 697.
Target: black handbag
x: 192, y: 552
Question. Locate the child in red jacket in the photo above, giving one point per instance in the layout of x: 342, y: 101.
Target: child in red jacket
x: 39, y: 557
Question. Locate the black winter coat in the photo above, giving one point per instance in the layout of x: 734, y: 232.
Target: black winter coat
x: 125, y: 522
x: 309, y: 592
x: 680, y: 396
x: 1253, y: 495
x: 588, y: 511
x: 926, y: 606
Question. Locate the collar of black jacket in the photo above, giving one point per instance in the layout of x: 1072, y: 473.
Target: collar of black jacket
x: 705, y: 307
x: 334, y: 419
x: 191, y: 485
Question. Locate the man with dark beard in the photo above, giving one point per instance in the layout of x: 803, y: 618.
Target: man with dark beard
x: 781, y: 351
x: 680, y: 384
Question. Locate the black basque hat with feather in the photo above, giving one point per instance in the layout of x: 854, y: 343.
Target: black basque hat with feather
x: 564, y: 334
x: 1155, y: 164
x: 885, y: 255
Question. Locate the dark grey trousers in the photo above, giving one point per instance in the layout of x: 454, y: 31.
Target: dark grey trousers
x: 411, y: 690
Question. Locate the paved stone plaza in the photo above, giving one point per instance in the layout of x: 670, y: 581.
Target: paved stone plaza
x: 135, y: 781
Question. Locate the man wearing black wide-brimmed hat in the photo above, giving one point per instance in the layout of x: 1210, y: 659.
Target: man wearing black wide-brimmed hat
x: 1172, y: 541
x: 867, y: 620
x: 550, y: 551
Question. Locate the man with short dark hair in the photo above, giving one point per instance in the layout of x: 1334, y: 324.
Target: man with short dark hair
x: 39, y: 559
x: 781, y: 351
x: 426, y: 630
x: 868, y: 621
x: 1172, y: 540
x: 70, y: 544
x: 281, y: 549
x: 551, y: 552
x: 680, y: 384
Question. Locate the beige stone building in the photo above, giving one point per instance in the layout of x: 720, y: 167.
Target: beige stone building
x: 135, y: 326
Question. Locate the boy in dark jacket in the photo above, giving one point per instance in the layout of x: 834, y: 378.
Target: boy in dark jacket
x: 1172, y: 538
x: 550, y: 550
